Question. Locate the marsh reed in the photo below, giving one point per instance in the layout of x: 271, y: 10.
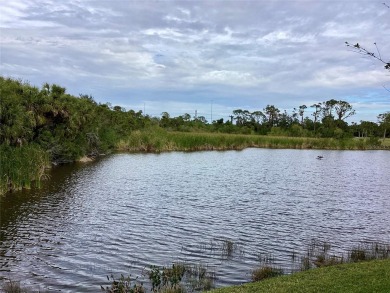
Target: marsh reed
x: 21, y: 167
x: 160, y: 140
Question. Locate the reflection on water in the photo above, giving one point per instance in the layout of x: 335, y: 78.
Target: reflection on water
x: 129, y: 211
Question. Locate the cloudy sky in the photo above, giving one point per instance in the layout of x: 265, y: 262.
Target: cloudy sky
x: 212, y: 56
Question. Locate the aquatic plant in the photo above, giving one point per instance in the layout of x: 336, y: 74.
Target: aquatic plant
x: 369, y: 251
x: 228, y: 248
x: 123, y: 285
x: 265, y: 272
x: 319, y: 254
x: 13, y: 287
x: 180, y: 278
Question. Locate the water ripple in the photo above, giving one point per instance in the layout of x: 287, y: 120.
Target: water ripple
x: 129, y: 211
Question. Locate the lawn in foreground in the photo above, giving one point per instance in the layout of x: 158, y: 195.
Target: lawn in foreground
x: 371, y: 276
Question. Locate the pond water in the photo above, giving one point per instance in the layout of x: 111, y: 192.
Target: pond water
x: 126, y: 212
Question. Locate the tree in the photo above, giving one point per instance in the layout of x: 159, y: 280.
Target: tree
x: 368, y: 128
x: 273, y: 114
x: 239, y: 116
x: 384, y: 122
x: 343, y: 110
x: 118, y: 109
x: 186, y: 117
x: 317, y: 111
x: 258, y: 117
x: 284, y: 120
x: 302, y: 111
x: 327, y: 108
x: 202, y: 119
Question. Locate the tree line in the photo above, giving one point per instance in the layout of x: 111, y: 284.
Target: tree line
x: 327, y: 119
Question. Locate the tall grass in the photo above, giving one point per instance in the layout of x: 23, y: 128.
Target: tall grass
x: 319, y: 254
x: 21, y: 167
x: 160, y: 140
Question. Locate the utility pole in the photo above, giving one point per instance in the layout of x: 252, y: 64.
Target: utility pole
x: 211, y: 112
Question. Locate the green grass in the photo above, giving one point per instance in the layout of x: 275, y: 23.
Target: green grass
x: 21, y: 167
x: 386, y: 142
x: 160, y: 140
x: 372, y: 276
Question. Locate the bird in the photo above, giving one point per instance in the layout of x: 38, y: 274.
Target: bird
x: 320, y: 157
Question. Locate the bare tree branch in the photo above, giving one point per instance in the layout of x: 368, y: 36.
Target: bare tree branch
x: 363, y: 51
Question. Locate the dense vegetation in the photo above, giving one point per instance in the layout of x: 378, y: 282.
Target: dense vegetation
x: 43, y: 125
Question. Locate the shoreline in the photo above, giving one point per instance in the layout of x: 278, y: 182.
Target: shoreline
x: 159, y: 141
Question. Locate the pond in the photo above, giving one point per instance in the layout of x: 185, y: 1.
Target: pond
x: 126, y: 212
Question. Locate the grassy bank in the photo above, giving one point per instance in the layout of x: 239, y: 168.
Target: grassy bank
x: 159, y: 140
x: 372, y: 276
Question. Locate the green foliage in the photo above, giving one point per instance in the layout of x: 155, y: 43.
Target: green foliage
x: 123, y: 285
x: 21, y: 166
x: 175, y: 279
x: 167, y: 279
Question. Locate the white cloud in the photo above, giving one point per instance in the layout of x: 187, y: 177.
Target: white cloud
x: 10, y: 11
x: 342, y: 76
x: 225, y: 77
x: 236, y: 52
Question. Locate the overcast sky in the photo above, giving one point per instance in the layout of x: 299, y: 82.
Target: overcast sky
x: 212, y: 56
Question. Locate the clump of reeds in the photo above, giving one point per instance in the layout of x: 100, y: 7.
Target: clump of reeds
x: 228, y: 248
x: 13, y: 287
x: 266, y: 269
x: 319, y: 254
x: 369, y: 251
x: 21, y: 167
x: 123, y: 285
x: 180, y: 277
x: 10, y: 286
x: 199, y: 278
x: 266, y: 272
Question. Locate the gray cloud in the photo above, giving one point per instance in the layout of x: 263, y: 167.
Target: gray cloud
x: 172, y: 53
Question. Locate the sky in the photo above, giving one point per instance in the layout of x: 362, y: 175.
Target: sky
x: 209, y: 56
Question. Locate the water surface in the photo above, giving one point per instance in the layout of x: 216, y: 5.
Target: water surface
x: 126, y: 212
